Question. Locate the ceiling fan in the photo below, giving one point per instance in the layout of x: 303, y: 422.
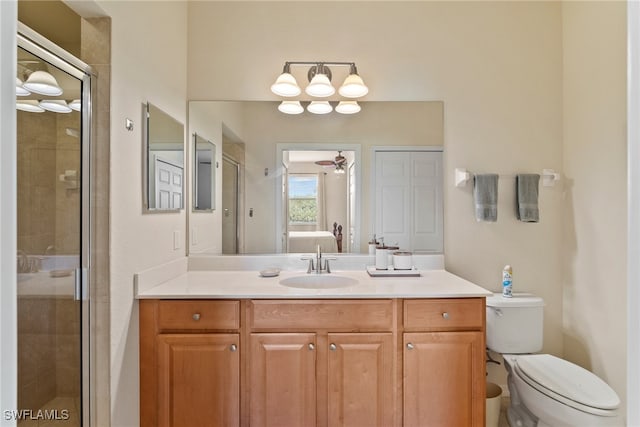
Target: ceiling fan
x: 339, y: 160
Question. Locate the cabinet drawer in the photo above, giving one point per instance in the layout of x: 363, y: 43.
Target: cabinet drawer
x: 198, y: 315
x: 444, y: 314
x: 322, y: 314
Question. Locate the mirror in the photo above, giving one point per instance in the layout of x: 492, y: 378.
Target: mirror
x: 204, y: 179
x: 163, y: 161
x: 258, y: 138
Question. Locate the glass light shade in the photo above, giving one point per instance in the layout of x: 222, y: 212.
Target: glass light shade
x: 290, y: 107
x: 320, y: 86
x: 339, y: 169
x: 75, y: 105
x: 21, y: 91
x: 353, y: 87
x: 348, y: 107
x: 43, y: 83
x: 286, y: 85
x: 55, y: 105
x: 29, y: 105
x: 319, y: 107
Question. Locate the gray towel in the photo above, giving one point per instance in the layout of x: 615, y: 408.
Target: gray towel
x: 485, y: 195
x: 527, y: 197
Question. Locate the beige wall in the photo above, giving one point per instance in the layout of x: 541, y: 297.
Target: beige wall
x: 149, y: 60
x: 497, y: 68
x: 594, y: 162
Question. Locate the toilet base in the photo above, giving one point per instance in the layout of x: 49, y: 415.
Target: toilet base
x: 542, y: 411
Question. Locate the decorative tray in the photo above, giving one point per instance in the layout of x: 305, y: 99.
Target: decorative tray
x: 373, y: 272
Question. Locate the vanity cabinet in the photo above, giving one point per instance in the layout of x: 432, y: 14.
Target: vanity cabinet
x: 189, y: 363
x: 325, y: 363
x: 321, y: 363
x: 444, y: 363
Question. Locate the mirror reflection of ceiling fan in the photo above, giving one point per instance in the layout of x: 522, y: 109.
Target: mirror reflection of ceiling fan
x: 339, y: 162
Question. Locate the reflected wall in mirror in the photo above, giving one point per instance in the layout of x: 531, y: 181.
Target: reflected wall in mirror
x: 259, y: 131
x: 204, y: 164
x: 163, y: 161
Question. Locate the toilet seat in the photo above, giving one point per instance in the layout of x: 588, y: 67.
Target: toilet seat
x: 567, y: 383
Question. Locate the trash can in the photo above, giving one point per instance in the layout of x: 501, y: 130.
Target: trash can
x: 493, y: 403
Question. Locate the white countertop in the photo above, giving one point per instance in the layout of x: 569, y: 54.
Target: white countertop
x: 222, y: 284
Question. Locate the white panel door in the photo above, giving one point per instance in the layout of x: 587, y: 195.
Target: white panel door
x: 408, y: 199
x: 168, y: 184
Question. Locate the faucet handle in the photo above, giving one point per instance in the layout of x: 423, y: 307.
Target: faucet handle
x: 310, y: 268
x: 326, y: 264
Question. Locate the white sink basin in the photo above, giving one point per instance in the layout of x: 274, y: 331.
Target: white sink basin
x: 318, y: 281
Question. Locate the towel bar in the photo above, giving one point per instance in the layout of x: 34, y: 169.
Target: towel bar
x: 549, y: 177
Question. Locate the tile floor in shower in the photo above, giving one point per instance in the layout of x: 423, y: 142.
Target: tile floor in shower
x: 70, y: 404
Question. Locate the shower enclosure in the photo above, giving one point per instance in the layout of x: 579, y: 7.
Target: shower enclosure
x: 53, y: 133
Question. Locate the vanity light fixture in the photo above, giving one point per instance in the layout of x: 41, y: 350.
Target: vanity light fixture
x: 75, y: 105
x: 348, y: 107
x: 55, y: 105
x: 20, y: 90
x: 319, y: 76
x: 319, y: 107
x: 43, y: 83
x: 291, y: 107
x: 29, y: 105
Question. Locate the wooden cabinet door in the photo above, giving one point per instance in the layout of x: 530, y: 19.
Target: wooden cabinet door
x: 282, y: 378
x: 198, y: 380
x: 444, y: 379
x: 360, y: 379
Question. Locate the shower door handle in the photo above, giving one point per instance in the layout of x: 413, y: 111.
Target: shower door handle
x: 80, y: 288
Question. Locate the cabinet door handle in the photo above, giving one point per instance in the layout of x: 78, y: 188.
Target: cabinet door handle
x: 333, y: 347
x: 445, y: 315
x: 196, y: 316
x: 312, y: 346
x: 409, y: 346
x: 233, y: 347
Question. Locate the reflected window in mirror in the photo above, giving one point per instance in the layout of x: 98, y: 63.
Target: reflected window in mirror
x: 163, y: 161
x: 204, y: 176
x: 303, y: 199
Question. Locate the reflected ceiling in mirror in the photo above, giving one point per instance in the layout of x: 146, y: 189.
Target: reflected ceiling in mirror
x: 255, y: 128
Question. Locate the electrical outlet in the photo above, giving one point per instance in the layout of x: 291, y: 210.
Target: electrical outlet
x: 176, y: 240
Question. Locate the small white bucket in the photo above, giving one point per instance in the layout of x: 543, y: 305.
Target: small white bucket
x: 494, y: 397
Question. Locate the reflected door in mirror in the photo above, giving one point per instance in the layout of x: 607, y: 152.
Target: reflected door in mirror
x: 163, y: 161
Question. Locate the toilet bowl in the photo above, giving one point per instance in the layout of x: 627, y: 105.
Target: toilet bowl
x: 546, y: 391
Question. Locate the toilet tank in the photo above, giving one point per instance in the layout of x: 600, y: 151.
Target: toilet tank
x: 515, y: 325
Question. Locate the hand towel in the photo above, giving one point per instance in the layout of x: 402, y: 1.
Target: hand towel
x: 485, y: 195
x: 527, y: 197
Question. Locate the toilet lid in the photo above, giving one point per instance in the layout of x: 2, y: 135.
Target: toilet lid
x: 568, y: 380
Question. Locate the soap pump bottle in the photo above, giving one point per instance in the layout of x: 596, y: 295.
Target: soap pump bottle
x: 507, y: 279
x: 372, y: 245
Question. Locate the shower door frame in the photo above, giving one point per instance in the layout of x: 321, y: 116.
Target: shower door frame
x: 43, y: 48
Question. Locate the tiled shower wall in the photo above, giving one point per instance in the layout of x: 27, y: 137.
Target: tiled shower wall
x: 49, y: 216
x: 48, y: 209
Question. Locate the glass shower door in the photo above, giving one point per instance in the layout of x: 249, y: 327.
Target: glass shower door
x: 50, y: 243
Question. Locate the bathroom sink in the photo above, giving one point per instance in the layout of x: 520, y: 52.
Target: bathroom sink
x: 318, y: 281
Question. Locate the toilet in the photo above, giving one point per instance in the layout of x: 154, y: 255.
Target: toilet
x: 546, y: 391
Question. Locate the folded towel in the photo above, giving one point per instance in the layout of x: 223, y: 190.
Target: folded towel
x: 485, y: 195
x: 527, y: 197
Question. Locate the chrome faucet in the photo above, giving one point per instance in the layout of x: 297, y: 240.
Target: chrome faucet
x: 318, y: 267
